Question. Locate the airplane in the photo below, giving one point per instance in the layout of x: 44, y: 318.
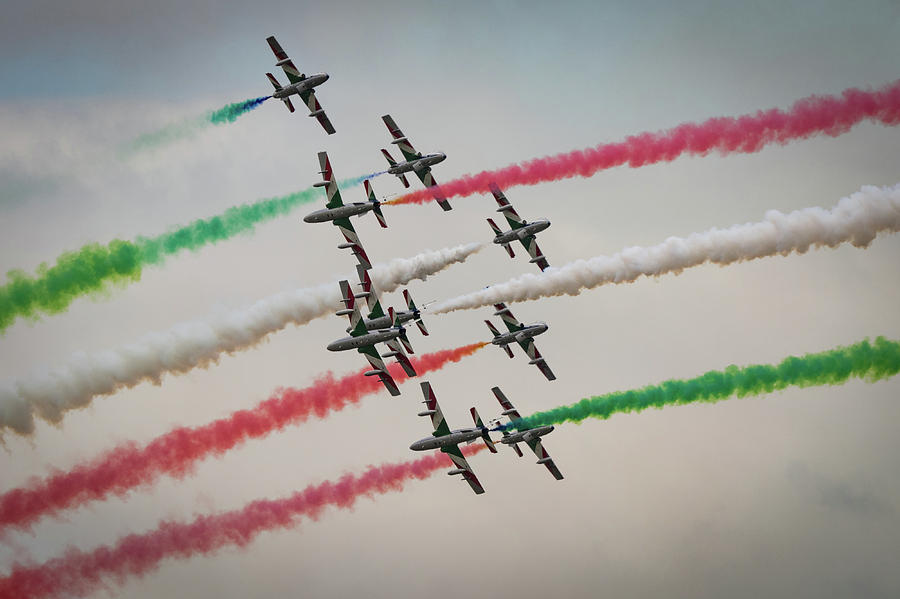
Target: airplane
x: 364, y: 341
x: 448, y: 441
x: 521, y: 334
x: 339, y: 214
x: 520, y: 229
x: 299, y: 84
x: 335, y: 208
x: 414, y: 161
x: 377, y: 318
x: 531, y: 436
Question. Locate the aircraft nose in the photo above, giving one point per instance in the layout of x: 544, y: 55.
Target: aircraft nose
x: 332, y: 346
x: 325, y: 77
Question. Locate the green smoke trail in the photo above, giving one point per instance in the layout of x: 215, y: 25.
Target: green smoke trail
x: 864, y: 360
x: 190, y: 127
x: 95, y: 269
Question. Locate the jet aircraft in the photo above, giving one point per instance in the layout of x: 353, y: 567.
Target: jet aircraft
x: 364, y: 341
x: 531, y: 436
x: 299, y: 84
x: 448, y: 441
x: 377, y: 318
x: 520, y: 229
x: 339, y: 214
x: 413, y: 161
x: 521, y: 334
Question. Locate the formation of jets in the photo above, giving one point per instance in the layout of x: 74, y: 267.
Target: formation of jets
x: 378, y: 326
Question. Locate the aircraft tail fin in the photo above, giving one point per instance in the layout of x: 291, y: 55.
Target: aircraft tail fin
x: 485, y: 434
x: 389, y: 158
x: 418, y: 315
x: 273, y: 81
x: 287, y: 104
x: 493, y: 329
x: 376, y: 205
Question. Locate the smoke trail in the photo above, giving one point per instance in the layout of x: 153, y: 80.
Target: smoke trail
x: 175, y: 453
x: 96, y: 268
x: 190, y: 127
x: 872, y: 362
x: 814, y: 115
x: 49, y: 394
x: 856, y: 219
x: 78, y: 573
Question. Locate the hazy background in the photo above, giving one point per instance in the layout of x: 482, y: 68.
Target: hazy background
x: 795, y: 494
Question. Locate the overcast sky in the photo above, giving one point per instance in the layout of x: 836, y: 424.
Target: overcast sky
x: 792, y: 494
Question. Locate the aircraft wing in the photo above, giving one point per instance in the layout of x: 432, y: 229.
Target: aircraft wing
x: 544, y: 457
x: 400, y: 355
x: 536, y: 358
x: 287, y: 65
x: 352, y: 241
x: 377, y: 363
x: 460, y: 462
x: 534, y: 251
x: 512, y: 217
x: 405, y: 146
x: 427, y: 180
x: 511, y: 322
x: 332, y: 193
x: 508, y: 409
x: 316, y: 110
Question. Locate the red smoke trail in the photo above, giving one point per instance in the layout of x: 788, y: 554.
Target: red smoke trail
x: 831, y: 115
x: 129, y: 465
x: 78, y: 573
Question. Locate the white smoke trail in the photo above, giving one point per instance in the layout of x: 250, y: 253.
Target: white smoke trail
x: 50, y: 393
x: 856, y: 219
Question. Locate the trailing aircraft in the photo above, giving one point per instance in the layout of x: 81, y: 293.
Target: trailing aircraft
x: 448, y: 440
x: 530, y: 436
x: 377, y: 318
x: 299, y: 84
x: 339, y: 214
x: 521, y: 334
x: 520, y: 229
x: 414, y: 161
x: 364, y: 341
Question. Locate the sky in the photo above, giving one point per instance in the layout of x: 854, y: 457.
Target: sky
x: 794, y: 493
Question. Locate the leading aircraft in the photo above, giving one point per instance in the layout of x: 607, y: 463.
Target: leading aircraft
x: 414, y: 161
x: 364, y: 341
x: 448, y: 441
x: 520, y: 229
x: 299, y: 84
x: 530, y: 436
x: 339, y: 214
x: 521, y: 334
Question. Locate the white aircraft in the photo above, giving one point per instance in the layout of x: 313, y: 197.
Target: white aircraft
x: 448, y: 441
x: 300, y: 84
x: 414, y: 162
x: 531, y: 436
x: 520, y: 229
x: 364, y: 341
x: 377, y: 318
x: 521, y: 334
x: 335, y: 210
x: 339, y: 214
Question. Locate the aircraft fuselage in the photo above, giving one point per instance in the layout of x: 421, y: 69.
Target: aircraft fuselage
x: 384, y: 322
x: 419, y: 164
x: 532, y: 228
x: 370, y: 338
x: 348, y: 210
x: 527, y: 435
x: 532, y: 330
x: 462, y: 435
x: 314, y: 80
